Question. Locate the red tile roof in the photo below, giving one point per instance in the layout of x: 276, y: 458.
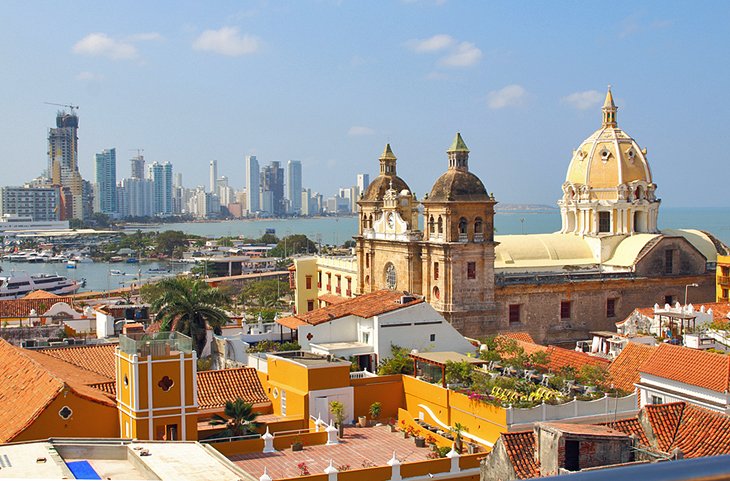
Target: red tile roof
x: 217, y: 387
x: 41, y: 294
x: 365, y: 306
x: 98, y: 358
x: 558, y: 357
x: 520, y: 448
x: 22, y: 307
x: 690, y: 366
x: 630, y: 426
x: 519, y: 336
x: 28, y: 384
x: 624, y: 369
x: 332, y: 298
x: 696, y: 431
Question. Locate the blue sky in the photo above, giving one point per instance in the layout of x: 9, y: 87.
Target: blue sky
x: 330, y: 82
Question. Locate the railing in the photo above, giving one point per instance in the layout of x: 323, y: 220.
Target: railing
x: 159, y: 344
x: 362, y: 374
x: 338, y: 290
x: 348, y: 293
x: 605, y: 406
x: 479, y: 237
x: 463, y: 237
x: 230, y: 439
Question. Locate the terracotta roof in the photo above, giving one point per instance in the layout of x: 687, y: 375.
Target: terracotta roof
x: 520, y: 447
x: 217, y: 387
x: 630, y: 426
x: 696, y: 431
x: 558, y: 357
x: 519, y: 336
x: 22, y: 307
x: 41, y: 294
x: 365, y: 306
x: 98, y: 358
x: 624, y: 369
x: 583, y: 429
x: 690, y: 366
x: 332, y: 298
x: 28, y: 385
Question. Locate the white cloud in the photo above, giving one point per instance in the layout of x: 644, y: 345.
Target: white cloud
x: 506, y: 97
x: 432, y: 44
x: 89, y: 76
x: 227, y: 41
x: 465, y: 54
x: 584, y: 100
x: 358, y: 130
x: 102, y: 45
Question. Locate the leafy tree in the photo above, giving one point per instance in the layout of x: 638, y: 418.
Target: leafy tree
x: 188, y: 306
x: 167, y: 242
x: 459, y: 372
x: 268, y: 239
x: 293, y: 244
x: 76, y: 224
x: 397, y: 363
x: 593, y: 375
x: 265, y: 293
x: 349, y: 243
x: 240, y: 419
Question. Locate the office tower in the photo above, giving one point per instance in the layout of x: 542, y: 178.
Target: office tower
x: 106, y: 181
x: 63, y: 166
x: 161, y: 176
x: 294, y: 186
x: 213, y: 176
x: 138, y: 198
x: 40, y: 203
x: 272, y: 180
x: 224, y: 192
x: 363, y: 181
x: 306, y: 202
x: 253, y: 184
x: 137, y: 166
x: 178, y: 179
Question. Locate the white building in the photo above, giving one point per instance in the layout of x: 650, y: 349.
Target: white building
x: 138, y: 197
x: 253, y: 185
x: 40, y: 204
x: 365, y: 327
x: 293, y: 187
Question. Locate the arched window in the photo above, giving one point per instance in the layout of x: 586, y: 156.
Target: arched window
x: 391, y: 281
x: 440, y: 225
x: 478, y: 225
x: 370, y: 221
x: 431, y: 225
x: 462, y: 225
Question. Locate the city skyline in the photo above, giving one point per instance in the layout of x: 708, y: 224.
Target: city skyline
x: 521, y: 82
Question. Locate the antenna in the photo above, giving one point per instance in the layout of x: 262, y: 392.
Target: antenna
x: 69, y: 106
x: 139, y: 151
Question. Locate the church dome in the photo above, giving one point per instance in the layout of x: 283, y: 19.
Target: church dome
x: 457, y: 183
x: 376, y: 189
x: 608, y: 159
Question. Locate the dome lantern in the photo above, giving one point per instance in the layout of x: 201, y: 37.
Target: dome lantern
x: 609, y: 110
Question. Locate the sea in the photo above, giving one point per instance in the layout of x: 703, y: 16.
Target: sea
x: 336, y: 230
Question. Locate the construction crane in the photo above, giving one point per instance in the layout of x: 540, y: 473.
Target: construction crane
x: 72, y: 107
x: 139, y: 151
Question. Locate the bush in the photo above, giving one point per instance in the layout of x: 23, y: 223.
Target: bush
x: 397, y: 363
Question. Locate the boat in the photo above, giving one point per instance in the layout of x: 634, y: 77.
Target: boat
x: 117, y: 272
x: 158, y: 270
x: 84, y: 260
x: 132, y: 260
x: 71, y: 264
x: 18, y: 284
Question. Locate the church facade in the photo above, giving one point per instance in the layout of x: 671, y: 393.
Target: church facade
x: 608, y: 258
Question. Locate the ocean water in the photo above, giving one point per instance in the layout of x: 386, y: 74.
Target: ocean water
x: 336, y: 230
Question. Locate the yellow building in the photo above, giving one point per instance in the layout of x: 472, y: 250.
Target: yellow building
x: 156, y: 387
x: 723, y: 278
x: 320, y: 280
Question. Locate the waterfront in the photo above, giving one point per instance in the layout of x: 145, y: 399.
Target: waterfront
x: 336, y: 230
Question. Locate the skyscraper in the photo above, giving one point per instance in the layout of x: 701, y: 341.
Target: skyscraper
x: 294, y: 186
x: 213, y: 176
x: 161, y: 176
x: 253, y: 184
x: 137, y: 166
x: 106, y: 181
x: 363, y: 181
x: 63, y: 152
x: 273, y: 181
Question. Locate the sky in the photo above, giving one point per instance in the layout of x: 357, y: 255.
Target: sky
x: 329, y: 83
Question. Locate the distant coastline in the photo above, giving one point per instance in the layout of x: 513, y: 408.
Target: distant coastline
x: 531, y: 208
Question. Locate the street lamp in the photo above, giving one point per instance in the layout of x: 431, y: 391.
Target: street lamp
x: 694, y: 284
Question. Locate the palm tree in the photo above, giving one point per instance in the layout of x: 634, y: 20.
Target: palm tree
x: 187, y: 306
x: 240, y: 419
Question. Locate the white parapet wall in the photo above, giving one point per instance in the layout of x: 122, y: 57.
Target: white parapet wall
x: 609, y: 407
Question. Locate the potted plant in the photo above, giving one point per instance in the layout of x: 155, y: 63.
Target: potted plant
x: 375, y: 410
x: 391, y: 423
x: 337, y: 409
x: 420, y: 441
x: 297, y: 445
x: 458, y: 441
x: 362, y: 421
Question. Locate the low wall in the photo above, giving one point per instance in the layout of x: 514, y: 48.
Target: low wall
x: 606, y: 406
x: 387, y: 390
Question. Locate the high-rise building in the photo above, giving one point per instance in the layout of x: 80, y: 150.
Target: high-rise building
x: 363, y: 181
x: 213, y: 176
x: 272, y: 180
x: 63, y: 166
x: 178, y: 179
x: 106, y: 182
x: 161, y: 176
x: 294, y: 186
x: 137, y: 166
x: 42, y: 204
x: 253, y: 185
x: 138, y: 198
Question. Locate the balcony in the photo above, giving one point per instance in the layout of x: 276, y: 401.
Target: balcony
x: 338, y: 290
x: 348, y: 293
x: 463, y: 238
x: 723, y: 279
x: 479, y: 237
x: 160, y: 344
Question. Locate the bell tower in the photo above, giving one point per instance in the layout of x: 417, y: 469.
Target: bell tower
x: 156, y: 378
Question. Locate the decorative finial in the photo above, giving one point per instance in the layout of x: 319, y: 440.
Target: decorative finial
x: 391, y: 184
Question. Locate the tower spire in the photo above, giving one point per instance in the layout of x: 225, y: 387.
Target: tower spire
x: 609, y: 110
x: 387, y: 161
x: 458, y: 154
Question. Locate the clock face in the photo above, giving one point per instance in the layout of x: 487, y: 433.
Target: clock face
x: 391, y: 220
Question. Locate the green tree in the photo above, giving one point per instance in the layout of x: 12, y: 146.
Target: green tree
x: 167, y: 242
x: 268, y: 239
x: 187, y: 306
x: 459, y: 372
x: 293, y: 244
x: 264, y: 293
x: 240, y: 419
x: 397, y: 363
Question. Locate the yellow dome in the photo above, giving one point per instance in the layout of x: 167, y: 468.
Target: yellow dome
x: 608, y: 159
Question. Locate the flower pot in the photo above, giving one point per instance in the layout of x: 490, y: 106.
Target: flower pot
x: 362, y: 421
x: 420, y: 442
x: 393, y: 428
x: 297, y: 446
x: 405, y: 435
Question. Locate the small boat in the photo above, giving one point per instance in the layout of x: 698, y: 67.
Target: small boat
x: 158, y: 270
x: 71, y: 264
x: 132, y: 260
x: 117, y: 272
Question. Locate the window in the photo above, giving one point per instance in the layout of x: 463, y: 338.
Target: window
x: 604, y: 222
x: 657, y: 400
x: 319, y: 279
x: 329, y: 282
x: 462, y: 226
x: 431, y: 225
x: 478, y: 225
x: 435, y: 271
x: 391, y: 280
x: 572, y: 455
x: 338, y: 288
x: 669, y: 300
x: 432, y: 338
x: 610, y: 307
x: 514, y: 313
x: 565, y: 309
x: 165, y: 383
x: 65, y: 412
x: 471, y: 270
x: 283, y: 402
x: 309, y: 282
x: 669, y: 261
x: 349, y: 286
x: 310, y: 305
x: 440, y: 225
x: 367, y: 260
x: 436, y: 293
